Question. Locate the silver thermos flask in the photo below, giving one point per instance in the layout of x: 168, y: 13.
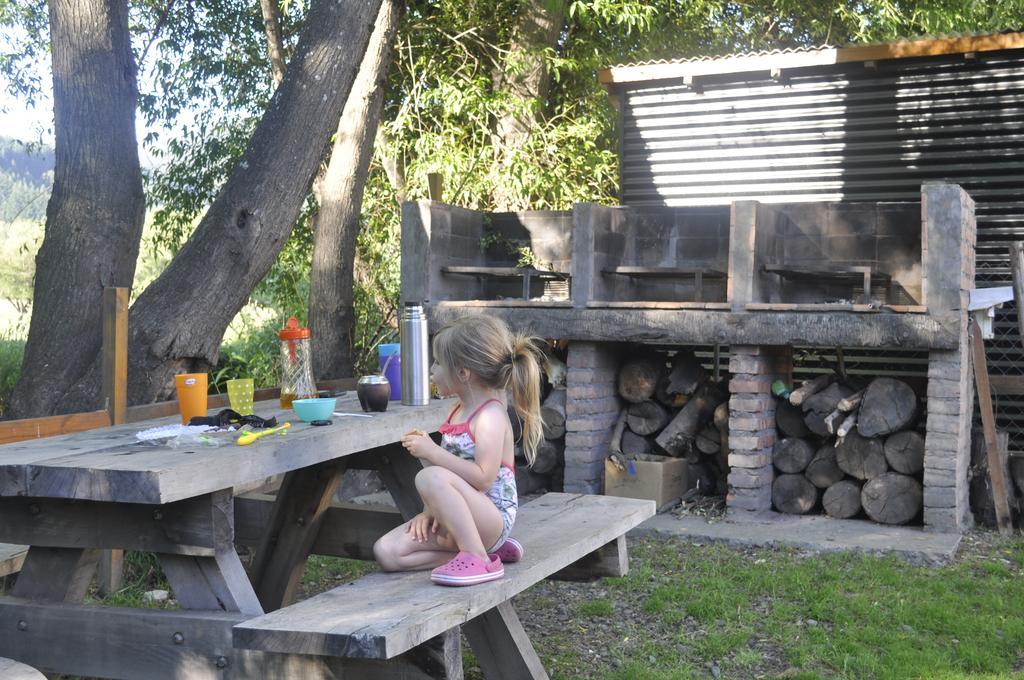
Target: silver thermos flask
x: 415, y: 355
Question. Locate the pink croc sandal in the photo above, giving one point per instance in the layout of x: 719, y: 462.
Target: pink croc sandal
x: 466, y: 569
x: 510, y: 551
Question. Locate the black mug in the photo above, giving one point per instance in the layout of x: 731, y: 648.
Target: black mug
x: 374, y: 392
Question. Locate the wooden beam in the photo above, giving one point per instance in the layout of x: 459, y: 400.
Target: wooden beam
x: 1017, y: 267
x: 435, y: 186
x: 696, y: 326
x: 56, y: 574
x: 50, y: 426
x: 347, y: 530
x: 295, y: 521
x: 611, y: 559
x: 1000, y: 495
x: 115, y: 353
x: 113, y: 642
x: 162, y: 409
x: 197, y: 526
x: 502, y: 647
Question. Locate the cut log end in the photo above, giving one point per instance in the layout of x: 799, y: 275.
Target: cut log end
x: 861, y: 457
x: 892, y: 498
x: 842, y: 499
x: 791, y: 455
x: 793, y: 494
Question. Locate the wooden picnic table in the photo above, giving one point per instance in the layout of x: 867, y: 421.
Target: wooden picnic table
x: 69, y: 496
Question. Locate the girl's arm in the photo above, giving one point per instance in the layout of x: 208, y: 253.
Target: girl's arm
x: 489, y: 433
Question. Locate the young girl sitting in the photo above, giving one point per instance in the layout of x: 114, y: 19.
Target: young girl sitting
x: 468, y: 485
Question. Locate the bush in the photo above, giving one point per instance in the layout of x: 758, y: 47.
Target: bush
x: 252, y: 355
x: 11, y: 351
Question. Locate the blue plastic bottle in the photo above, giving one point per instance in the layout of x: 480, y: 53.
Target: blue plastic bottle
x: 394, y: 370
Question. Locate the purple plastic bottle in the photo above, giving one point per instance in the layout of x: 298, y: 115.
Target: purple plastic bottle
x: 394, y: 369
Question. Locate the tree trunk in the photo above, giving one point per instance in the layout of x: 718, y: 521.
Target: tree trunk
x: 823, y: 471
x: 888, y: 405
x: 647, y: 417
x: 861, y: 457
x: 842, y: 499
x: 339, y: 193
x: 177, y: 324
x: 892, y: 498
x: 793, y: 494
x: 905, y: 452
x: 275, y: 46
x: 524, y: 77
x: 792, y: 455
x: 97, y: 207
x: 552, y: 412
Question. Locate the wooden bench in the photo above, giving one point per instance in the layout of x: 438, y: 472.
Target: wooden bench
x: 382, y: 615
x: 12, y: 670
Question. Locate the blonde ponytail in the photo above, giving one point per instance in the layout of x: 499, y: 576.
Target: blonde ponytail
x: 525, y: 385
x: 502, y: 360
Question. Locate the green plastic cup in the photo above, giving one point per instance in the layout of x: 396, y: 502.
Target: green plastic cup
x: 240, y: 394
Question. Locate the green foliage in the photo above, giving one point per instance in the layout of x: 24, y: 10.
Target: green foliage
x: 11, y: 351
x: 252, y: 354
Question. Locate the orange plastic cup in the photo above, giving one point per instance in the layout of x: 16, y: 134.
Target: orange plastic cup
x: 191, y: 388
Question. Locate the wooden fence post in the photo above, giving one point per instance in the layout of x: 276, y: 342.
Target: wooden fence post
x: 1017, y: 267
x: 435, y: 186
x: 115, y: 402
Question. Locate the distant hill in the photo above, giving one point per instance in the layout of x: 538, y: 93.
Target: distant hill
x: 25, y: 181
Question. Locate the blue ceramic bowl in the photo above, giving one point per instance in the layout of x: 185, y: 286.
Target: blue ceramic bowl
x: 315, y: 409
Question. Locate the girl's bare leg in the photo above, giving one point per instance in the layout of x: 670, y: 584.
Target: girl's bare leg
x: 398, y: 551
x: 469, y: 517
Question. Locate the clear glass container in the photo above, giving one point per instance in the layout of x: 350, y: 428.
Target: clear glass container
x: 296, y: 364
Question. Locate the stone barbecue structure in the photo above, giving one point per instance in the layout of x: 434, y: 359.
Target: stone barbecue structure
x: 770, y: 278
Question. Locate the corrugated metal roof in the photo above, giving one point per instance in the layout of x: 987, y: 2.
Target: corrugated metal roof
x: 813, y: 48
x: 798, y: 57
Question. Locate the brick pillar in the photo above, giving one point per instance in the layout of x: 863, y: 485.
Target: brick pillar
x: 592, y: 407
x: 752, y: 423
x: 949, y: 248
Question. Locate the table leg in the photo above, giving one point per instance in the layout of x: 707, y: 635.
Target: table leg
x: 56, y: 574
x: 501, y: 645
x: 398, y: 468
x: 295, y: 521
x: 217, y: 582
x: 111, y: 570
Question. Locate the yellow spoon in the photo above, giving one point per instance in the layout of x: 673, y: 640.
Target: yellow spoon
x: 250, y: 437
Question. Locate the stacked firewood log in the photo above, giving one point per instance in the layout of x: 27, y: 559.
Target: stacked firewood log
x: 850, y: 449
x: 673, y: 407
x: 548, y: 469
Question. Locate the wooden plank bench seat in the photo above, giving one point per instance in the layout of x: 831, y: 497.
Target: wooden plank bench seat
x: 12, y: 670
x: 382, y: 615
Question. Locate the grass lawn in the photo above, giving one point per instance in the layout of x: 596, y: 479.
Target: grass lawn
x: 689, y: 610
x: 697, y: 611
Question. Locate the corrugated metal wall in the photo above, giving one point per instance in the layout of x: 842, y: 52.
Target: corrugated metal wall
x: 848, y: 132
